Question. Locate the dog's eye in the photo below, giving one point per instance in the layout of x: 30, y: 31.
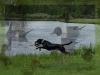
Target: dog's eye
x: 36, y: 43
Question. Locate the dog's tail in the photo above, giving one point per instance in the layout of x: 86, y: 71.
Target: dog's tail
x: 67, y: 43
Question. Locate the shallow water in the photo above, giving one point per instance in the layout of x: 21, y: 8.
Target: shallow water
x: 47, y: 30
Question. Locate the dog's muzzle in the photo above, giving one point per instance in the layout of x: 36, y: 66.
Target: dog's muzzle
x: 36, y: 44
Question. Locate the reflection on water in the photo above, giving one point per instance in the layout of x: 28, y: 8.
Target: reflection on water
x: 53, y: 31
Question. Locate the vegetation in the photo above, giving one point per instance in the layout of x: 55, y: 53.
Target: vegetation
x: 28, y: 2
x: 87, y: 21
x: 76, y: 10
x: 2, y: 33
x: 47, y: 65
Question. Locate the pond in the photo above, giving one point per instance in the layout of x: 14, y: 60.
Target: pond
x: 53, y: 31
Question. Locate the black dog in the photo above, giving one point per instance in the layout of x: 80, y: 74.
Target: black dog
x: 40, y: 43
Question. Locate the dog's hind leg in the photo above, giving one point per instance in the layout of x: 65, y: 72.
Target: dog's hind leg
x: 62, y: 49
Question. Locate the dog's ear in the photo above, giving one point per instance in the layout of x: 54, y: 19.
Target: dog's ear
x: 39, y: 41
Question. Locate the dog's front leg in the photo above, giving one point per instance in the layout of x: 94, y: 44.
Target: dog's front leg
x: 39, y: 49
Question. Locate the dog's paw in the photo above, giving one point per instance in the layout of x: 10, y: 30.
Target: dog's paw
x: 36, y: 48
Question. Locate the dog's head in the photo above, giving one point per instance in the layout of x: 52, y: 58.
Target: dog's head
x: 38, y: 42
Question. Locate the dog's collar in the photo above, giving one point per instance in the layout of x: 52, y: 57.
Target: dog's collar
x: 42, y: 41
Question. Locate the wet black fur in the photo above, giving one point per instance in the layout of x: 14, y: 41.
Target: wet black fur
x: 44, y: 44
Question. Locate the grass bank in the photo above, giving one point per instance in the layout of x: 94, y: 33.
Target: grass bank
x: 87, y: 21
x: 2, y: 33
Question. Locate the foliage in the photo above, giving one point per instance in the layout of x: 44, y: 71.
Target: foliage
x: 4, y: 59
x: 47, y: 65
x: 87, y: 53
x: 85, y: 21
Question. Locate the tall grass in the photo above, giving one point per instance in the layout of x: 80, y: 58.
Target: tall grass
x: 2, y: 32
x: 53, y: 63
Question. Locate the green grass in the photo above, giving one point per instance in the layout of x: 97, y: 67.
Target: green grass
x: 97, y: 35
x: 2, y: 31
x: 88, y: 21
x: 56, y: 64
